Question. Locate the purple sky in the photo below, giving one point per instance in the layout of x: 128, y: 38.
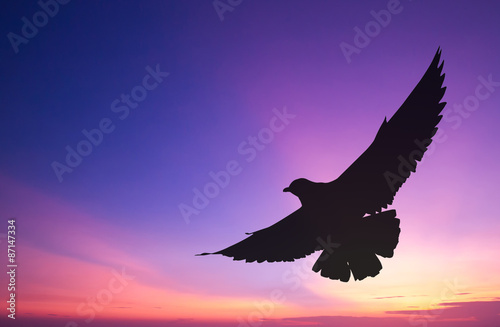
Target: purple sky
x: 118, y: 207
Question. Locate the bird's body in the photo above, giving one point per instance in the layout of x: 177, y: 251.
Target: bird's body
x: 345, y: 217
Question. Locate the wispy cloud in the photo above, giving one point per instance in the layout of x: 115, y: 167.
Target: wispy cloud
x: 485, y: 312
x: 388, y: 297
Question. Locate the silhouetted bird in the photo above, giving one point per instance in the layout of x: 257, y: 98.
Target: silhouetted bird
x: 344, y: 218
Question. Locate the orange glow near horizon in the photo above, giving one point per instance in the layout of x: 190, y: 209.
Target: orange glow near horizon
x: 80, y: 280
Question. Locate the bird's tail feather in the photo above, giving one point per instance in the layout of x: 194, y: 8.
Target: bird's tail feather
x: 377, y: 234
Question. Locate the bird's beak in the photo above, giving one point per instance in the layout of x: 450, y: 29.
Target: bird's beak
x: 286, y: 189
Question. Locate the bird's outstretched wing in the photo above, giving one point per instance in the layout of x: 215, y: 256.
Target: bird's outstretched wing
x: 375, y: 177
x: 288, y: 239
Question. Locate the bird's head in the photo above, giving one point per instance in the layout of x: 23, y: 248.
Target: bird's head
x: 300, y: 187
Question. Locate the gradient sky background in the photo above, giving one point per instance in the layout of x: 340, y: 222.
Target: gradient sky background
x: 118, y: 211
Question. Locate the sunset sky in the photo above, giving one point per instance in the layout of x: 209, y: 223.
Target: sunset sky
x: 116, y: 116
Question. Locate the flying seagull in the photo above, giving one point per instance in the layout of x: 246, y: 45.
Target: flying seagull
x: 345, y: 217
